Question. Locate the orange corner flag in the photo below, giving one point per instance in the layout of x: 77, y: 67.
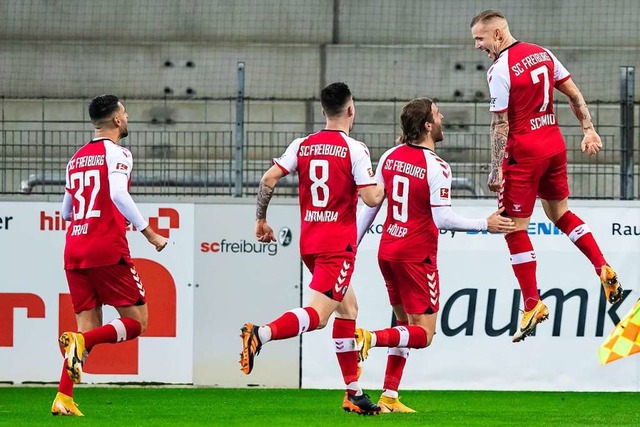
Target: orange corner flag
x: 624, y: 340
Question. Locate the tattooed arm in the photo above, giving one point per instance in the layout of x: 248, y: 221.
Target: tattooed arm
x: 264, y: 233
x: 591, y: 142
x: 498, y: 136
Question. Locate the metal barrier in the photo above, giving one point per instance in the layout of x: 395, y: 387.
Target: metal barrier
x: 205, y: 162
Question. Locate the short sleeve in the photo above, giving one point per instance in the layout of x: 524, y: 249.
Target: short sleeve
x: 499, y: 85
x: 119, y: 159
x: 288, y: 162
x: 560, y: 73
x: 361, y: 164
x: 439, y: 176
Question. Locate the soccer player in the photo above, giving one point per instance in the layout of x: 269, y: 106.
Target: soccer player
x: 96, y: 255
x: 529, y: 156
x: 418, y: 184
x: 332, y: 170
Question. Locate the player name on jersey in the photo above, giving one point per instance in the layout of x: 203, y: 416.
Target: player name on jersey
x: 323, y: 150
x: 397, y: 230
x: 529, y: 61
x: 321, y: 216
x: 405, y: 168
x: 545, y: 120
x: 86, y: 161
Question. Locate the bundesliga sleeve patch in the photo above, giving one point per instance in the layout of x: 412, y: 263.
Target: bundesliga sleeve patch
x: 444, y: 193
x: 370, y: 171
x: 122, y: 167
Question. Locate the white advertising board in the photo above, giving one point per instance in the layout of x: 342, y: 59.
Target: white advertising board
x: 240, y: 280
x: 35, y: 306
x: 479, y: 306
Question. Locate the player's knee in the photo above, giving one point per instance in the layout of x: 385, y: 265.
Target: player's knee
x: 322, y: 323
x: 143, y: 325
x: 429, y: 338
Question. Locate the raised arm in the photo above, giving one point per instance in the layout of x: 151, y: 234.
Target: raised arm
x: 591, y: 142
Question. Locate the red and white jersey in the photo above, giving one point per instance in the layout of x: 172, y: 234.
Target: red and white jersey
x: 96, y: 236
x: 416, y: 180
x: 331, y: 167
x: 521, y: 82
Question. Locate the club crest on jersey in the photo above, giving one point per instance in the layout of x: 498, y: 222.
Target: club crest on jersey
x: 444, y: 193
x: 121, y: 167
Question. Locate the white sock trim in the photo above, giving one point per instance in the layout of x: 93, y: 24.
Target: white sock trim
x: 264, y: 333
x: 303, y: 319
x: 121, y: 331
x: 579, y: 232
x: 523, y: 257
x: 344, y: 345
x: 404, y: 336
x: 397, y: 351
x: 355, y: 386
x: 393, y: 394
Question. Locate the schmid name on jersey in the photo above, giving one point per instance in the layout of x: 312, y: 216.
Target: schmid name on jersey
x: 545, y: 120
x: 321, y: 216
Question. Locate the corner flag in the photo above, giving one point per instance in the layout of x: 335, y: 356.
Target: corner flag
x: 624, y: 340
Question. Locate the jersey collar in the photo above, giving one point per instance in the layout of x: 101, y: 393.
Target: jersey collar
x: 101, y: 138
x: 507, y: 48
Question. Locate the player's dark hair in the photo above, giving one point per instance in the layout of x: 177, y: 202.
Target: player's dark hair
x: 415, y: 114
x: 102, y: 106
x: 486, y: 15
x: 334, y: 97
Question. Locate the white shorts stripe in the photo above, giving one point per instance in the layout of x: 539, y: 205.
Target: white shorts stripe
x: 344, y: 345
x: 523, y: 257
x: 402, y: 352
x: 404, y: 336
x: 303, y: 319
x: 578, y: 232
x: 121, y: 331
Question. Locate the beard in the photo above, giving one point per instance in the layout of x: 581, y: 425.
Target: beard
x: 124, y: 132
x: 437, y: 134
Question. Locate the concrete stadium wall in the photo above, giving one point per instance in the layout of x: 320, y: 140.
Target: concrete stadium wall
x: 383, y: 49
x: 54, y: 70
x: 378, y: 22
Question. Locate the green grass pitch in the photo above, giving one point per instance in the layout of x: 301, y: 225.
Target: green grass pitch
x: 147, y: 406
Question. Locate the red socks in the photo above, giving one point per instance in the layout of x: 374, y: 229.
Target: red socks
x: 523, y: 262
x: 294, y: 322
x: 409, y: 336
x: 580, y: 234
x: 66, y: 385
x: 344, y: 331
x: 396, y: 360
x: 117, y: 330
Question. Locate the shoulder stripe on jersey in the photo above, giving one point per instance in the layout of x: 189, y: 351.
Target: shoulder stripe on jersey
x: 282, y: 168
x: 559, y: 82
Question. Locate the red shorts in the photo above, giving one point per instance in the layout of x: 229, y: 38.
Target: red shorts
x: 115, y: 285
x: 524, y: 181
x: 331, y: 272
x: 415, y: 285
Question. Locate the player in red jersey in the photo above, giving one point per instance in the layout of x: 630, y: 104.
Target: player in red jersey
x: 418, y: 184
x: 332, y: 170
x: 529, y: 156
x: 96, y: 255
